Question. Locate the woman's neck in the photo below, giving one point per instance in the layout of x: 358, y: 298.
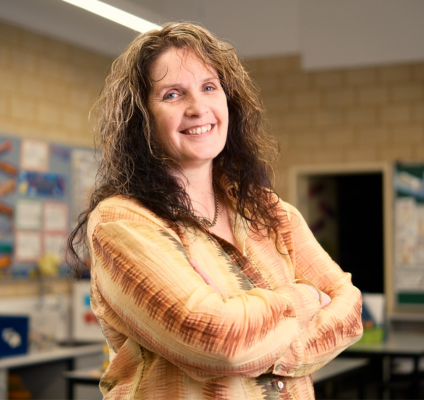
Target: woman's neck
x: 199, y: 187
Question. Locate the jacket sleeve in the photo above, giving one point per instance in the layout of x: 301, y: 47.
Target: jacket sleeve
x: 155, y: 297
x: 334, y: 327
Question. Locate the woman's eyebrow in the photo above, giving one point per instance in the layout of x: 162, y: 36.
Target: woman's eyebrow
x: 160, y: 88
x: 211, y: 78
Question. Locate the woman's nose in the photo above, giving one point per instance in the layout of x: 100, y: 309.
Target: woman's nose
x: 196, y: 106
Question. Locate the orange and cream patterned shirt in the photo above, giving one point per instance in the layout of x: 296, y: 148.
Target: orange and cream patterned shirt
x: 236, y: 328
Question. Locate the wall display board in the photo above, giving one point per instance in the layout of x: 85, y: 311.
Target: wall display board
x: 409, y: 233
x: 43, y: 187
x: 85, y: 326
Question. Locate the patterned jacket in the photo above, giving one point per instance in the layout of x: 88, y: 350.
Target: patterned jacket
x: 236, y: 328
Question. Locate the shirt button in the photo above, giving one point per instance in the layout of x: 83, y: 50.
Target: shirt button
x: 280, y: 385
x: 278, y: 367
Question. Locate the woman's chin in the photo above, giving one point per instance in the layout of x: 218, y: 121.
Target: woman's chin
x: 197, y: 162
x: 198, y: 156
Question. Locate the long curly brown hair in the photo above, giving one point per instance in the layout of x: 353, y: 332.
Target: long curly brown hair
x: 133, y: 163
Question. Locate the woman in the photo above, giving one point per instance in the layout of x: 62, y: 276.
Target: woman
x: 206, y: 285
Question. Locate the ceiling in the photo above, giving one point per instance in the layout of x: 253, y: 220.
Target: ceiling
x: 327, y: 33
x: 67, y: 22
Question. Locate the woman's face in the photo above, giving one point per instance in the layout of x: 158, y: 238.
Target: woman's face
x: 189, y: 108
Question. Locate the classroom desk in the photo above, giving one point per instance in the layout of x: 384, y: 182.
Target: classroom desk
x: 58, y: 354
x: 337, y: 368
x: 397, y: 344
x: 84, y: 376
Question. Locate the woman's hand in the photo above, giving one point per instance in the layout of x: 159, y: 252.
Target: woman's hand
x: 203, y: 275
x: 325, y: 298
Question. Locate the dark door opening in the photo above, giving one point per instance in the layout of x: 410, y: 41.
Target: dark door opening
x: 345, y: 213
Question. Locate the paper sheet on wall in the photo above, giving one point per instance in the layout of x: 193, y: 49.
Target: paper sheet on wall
x: 409, y: 279
x: 405, y: 231
x: 54, y: 243
x: 35, y: 155
x: 409, y: 244
x: 27, y: 246
x: 84, y: 169
x: 55, y: 216
x: 85, y: 326
x: 419, y: 251
x: 28, y: 214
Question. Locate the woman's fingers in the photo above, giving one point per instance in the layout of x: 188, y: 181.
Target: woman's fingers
x: 325, y: 299
x: 311, y: 289
x: 203, y: 275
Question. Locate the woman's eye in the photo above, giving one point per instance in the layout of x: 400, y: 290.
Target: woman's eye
x: 171, y: 95
x: 209, y: 88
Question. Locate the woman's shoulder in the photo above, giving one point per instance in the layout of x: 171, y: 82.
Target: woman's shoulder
x: 121, y: 208
x: 289, y: 208
x: 285, y: 208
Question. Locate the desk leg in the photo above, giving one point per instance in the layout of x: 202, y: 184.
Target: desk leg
x: 329, y: 390
x: 415, y: 385
x: 3, y: 384
x: 70, y: 385
x: 386, y: 373
x: 363, y: 377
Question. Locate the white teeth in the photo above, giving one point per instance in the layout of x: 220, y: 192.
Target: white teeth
x: 198, y: 131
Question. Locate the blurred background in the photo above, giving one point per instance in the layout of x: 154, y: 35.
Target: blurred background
x: 343, y: 86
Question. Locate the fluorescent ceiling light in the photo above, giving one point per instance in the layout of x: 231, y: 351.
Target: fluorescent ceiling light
x: 115, y: 14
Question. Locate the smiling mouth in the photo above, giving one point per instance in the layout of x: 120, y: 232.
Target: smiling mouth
x: 198, y: 131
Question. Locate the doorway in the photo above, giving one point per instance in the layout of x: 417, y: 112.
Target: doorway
x: 347, y: 209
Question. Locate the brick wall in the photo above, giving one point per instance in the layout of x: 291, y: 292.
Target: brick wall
x: 341, y: 116
x: 47, y: 87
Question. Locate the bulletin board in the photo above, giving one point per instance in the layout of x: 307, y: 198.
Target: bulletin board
x: 43, y: 188
x: 409, y: 233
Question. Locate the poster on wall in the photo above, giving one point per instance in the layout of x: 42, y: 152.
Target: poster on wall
x: 9, y: 168
x: 84, y: 169
x: 35, y: 203
x: 409, y: 233
x: 85, y: 326
x: 36, y: 184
